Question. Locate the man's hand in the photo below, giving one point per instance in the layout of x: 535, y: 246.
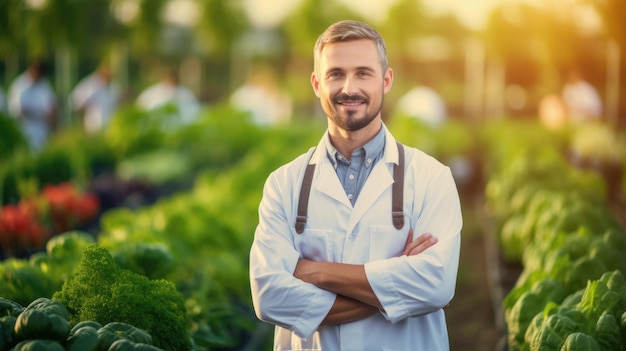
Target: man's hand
x: 419, y: 245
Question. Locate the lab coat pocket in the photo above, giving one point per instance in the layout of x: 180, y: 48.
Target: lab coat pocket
x: 315, y: 245
x: 386, y: 241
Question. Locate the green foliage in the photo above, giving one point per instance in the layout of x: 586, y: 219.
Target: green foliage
x: 59, y: 162
x: 571, y: 258
x: 522, y: 310
x: 623, y: 328
x: 22, y: 282
x: 9, y: 311
x: 580, y: 342
x: 607, y: 332
x: 133, y: 131
x: 590, y: 314
x: 38, y: 345
x: 154, y: 260
x: 552, y: 333
x: 127, y: 345
x: 69, y: 245
x: 44, y: 325
x: 11, y: 137
x: 556, y: 220
x: 101, y: 291
x: 9, y: 307
x: 25, y: 279
x: 599, y: 143
x: 7, y: 332
x: 43, y: 319
x: 223, y: 24
x: 453, y: 138
x: 83, y: 338
x: 114, y: 331
x: 159, y: 167
x: 208, y: 229
x: 217, y: 139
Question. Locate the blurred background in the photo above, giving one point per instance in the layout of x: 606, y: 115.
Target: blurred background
x: 487, y: 59
x: 150, y: 126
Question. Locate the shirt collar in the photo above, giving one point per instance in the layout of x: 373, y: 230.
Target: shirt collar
x: 372, y: 149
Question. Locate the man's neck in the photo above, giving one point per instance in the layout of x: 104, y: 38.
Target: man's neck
x: 346, y: 141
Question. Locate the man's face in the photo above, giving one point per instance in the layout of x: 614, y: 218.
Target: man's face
x: 351, y: 84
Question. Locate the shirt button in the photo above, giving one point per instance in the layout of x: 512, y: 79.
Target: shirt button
x: 351, y: 176
x: 350, y: 196
x: 369, y: 160
x: 339, y: 157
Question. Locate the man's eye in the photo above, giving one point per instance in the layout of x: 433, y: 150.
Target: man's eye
x: 364, y: 74
x: 334, y: 75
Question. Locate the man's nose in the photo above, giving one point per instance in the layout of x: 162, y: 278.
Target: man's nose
x: 350, y: 86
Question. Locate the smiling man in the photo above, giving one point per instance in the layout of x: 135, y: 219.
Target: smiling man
x: 350, y: 80
x: 346, y: 273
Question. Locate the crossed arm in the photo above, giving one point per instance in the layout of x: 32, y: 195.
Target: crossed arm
x: 355, y: 297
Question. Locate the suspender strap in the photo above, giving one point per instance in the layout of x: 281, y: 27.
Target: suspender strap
x: 397, y: 214
x: 303, y: 202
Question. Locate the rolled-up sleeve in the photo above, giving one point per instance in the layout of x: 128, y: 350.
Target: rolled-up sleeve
x: 415, y: 285
x: 278, y: 297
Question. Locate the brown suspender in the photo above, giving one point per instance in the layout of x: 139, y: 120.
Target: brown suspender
x: 397, y: 215
x: 303, y: 202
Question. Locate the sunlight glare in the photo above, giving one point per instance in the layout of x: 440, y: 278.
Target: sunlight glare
x: 263, y: 16
x: 184, y: 13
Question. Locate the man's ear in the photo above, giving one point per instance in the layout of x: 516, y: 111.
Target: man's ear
x: 387, y: 80
x: 316, y: 84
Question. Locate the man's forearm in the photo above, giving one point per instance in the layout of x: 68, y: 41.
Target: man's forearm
x: 348, y: 280
x: 347, y: 310
x: 355, y: 298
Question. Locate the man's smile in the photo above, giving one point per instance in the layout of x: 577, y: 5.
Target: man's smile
x: 350, y: 101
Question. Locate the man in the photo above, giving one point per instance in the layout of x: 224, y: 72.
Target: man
x: 423, y: 103
x: 33, y: 102
x: 169, y: 92
x: 349, y: 279
x: 96, y: 98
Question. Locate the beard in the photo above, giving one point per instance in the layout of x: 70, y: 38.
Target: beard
x: 349, y: 120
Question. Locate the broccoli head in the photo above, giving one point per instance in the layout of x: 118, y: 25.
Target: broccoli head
x: 102, y: 291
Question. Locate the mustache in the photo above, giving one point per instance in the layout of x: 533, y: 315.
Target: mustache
x: 346, y: 97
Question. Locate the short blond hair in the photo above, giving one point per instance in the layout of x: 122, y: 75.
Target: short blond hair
x: 350, y: 30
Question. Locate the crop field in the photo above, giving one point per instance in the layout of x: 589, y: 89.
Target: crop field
x: 145, y: 222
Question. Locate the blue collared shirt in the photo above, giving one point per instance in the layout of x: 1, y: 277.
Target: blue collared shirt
x: 354, y: 172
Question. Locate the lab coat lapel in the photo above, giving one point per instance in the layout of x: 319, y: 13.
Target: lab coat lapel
x: 378, y: 181
x: 328, y: 183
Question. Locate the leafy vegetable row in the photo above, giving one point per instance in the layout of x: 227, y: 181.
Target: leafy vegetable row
x: 44, y: 325
x: 100, y: 290
x: 197, y: 239
x: 556, y: 221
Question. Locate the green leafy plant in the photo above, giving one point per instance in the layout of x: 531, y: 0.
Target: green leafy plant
x: 102, y: 291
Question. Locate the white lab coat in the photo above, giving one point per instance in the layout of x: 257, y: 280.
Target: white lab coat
x: 32, y: 102
x: 99, y: 99
x: 413, y: 290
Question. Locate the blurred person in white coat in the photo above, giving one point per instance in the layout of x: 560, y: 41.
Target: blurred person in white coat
x: 169, y: 91
x: 422, y: 102
x: 342, y: 270
x: 262, y: 97
x: 32, y: 100
x: 96, y: 99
